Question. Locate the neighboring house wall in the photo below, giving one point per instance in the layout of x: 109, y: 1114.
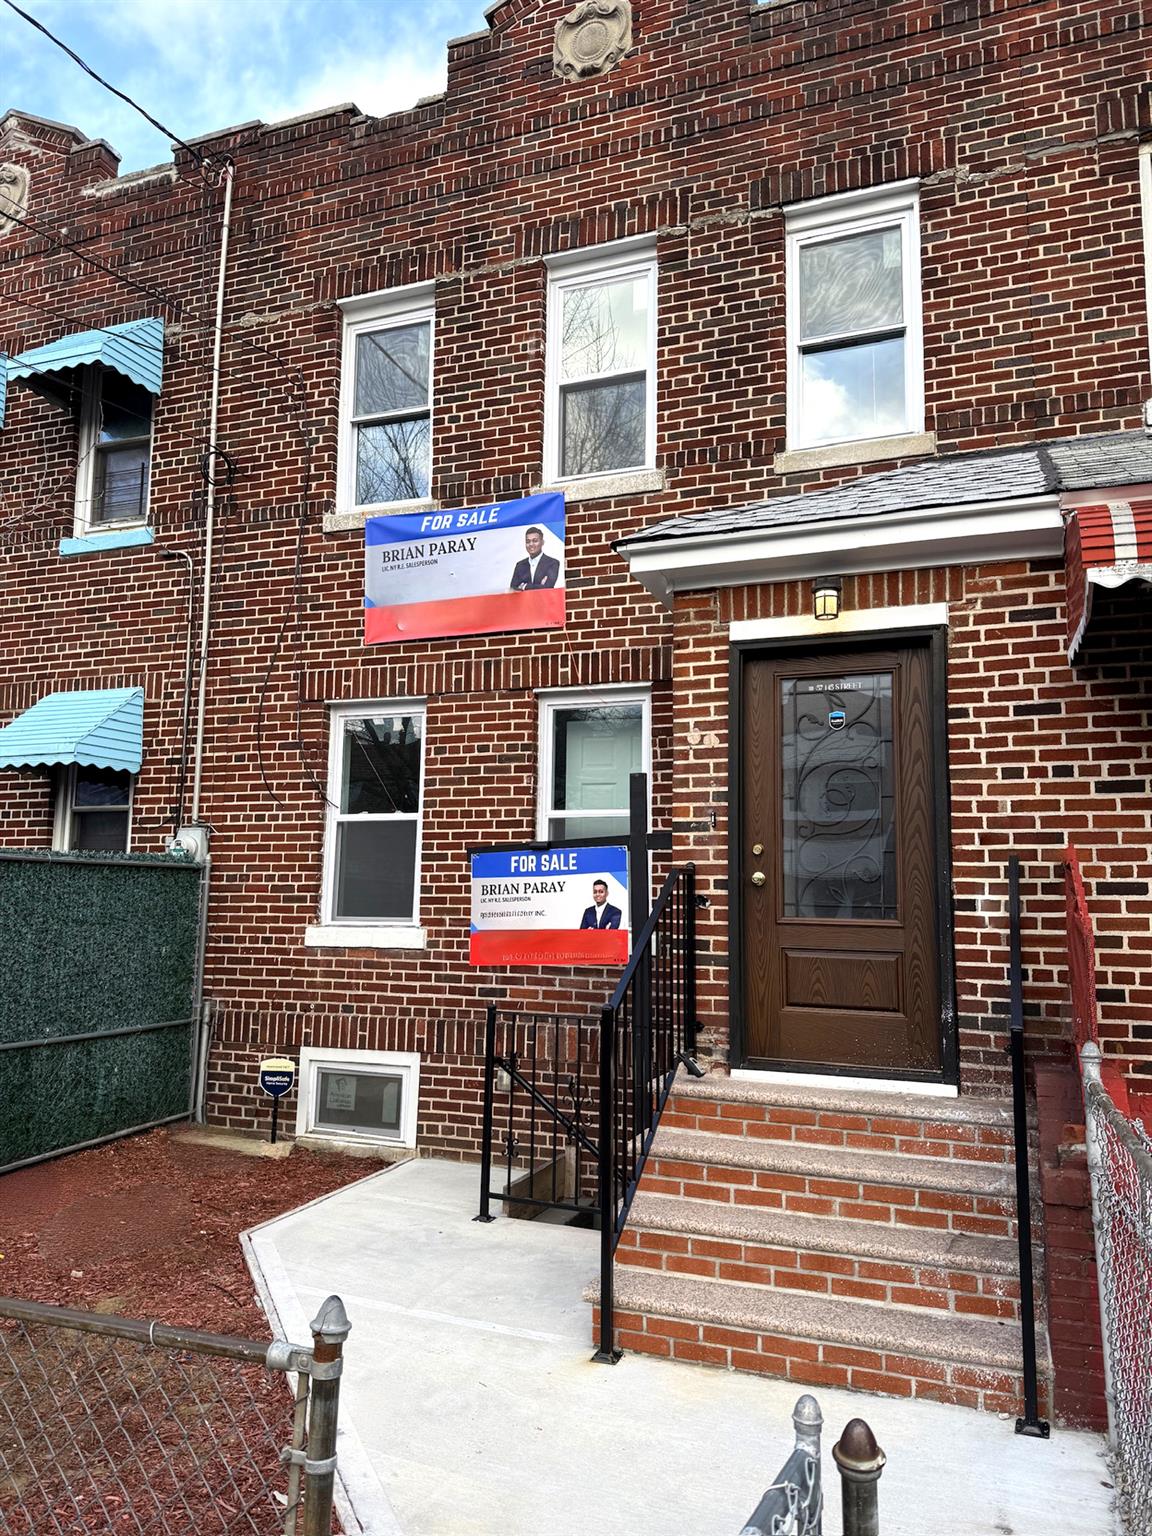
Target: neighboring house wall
x: 1022, y: 129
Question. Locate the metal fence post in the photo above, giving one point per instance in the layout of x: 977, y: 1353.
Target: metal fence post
x: 1090, y: 1062
x: 486, y: 1145
x: 330, y: 1328
x: 607, y: 1353
x: 861, y: 1462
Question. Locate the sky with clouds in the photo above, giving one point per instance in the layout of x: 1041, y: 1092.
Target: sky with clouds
x: 200, y: 65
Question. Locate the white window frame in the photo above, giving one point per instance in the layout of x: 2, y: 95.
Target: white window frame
x: 549, y: 702
x: 384, y: 311
x: 628, y: 259
x: 352, y: 926
x: 857, y: 213
x: 64, y: 815
x: 402, y: 1064
x: 92, y: 392
x: 1146, y: 221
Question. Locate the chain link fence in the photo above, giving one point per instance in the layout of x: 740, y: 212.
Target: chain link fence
x: 1120, y: 1165
x: 110, y: 1424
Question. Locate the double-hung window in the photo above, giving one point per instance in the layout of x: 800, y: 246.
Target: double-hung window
x: 93, y: 809
x: 375, y: 794
x: 600, y: 415
x: 590, y: 745
x: 386, y: 401
x: 115, y: 451
x: 855, y: 349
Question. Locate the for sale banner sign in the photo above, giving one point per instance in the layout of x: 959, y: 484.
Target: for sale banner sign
x: 471, y: 572
x: 557, y: 906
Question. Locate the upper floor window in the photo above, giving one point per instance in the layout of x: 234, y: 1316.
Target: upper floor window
x: 115, y: 451
x: 386, y: 401
x: 855, y: 348
x: 600, y: 412
x: 375, y: 797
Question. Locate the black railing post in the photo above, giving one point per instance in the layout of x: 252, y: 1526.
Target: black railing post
x: 607, y: 1353
x: 639, y: 902
x: 486, y: 1144
x: 689, y: 959
x: 1031, y: 1423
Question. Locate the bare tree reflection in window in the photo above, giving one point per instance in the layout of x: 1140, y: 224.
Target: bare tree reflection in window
x: 603, y: 376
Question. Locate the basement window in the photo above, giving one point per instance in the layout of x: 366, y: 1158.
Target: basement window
x: 359, y: 1096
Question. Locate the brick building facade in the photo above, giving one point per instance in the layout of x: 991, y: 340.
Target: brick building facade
x: 977, y: 166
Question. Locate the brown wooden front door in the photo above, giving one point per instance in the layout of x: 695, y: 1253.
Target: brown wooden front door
x: 838, y: 863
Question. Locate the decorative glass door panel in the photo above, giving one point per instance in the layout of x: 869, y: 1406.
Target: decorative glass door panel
x: 838, y: 886
x: 838, y: 807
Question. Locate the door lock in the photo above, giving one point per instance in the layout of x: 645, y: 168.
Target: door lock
x: 758, y: 877
x: 757, y: 849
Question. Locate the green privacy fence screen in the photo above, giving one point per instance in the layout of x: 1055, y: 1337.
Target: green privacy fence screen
x: 98, y: 990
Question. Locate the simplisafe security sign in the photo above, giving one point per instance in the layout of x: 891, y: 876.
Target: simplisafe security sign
x: 277, y: 1074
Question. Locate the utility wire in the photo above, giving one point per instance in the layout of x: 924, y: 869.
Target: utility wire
x: 201, y: 159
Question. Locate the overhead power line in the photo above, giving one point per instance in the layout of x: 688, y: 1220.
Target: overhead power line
x: 200, y: 158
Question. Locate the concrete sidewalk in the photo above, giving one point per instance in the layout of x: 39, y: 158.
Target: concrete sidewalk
x: 471, y: 1408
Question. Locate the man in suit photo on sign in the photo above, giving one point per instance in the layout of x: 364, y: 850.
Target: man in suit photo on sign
x: 600, y: 914
x: 537, y: 569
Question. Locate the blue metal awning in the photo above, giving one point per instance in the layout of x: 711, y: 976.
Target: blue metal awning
x: 98, y: 728
x: 135, y: 349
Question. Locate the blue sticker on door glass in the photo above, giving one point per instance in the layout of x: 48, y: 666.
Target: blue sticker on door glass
x: 836, y: 719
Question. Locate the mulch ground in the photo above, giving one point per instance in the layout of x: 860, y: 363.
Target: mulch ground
x: 101, y: 1437
x: 149, y: 1227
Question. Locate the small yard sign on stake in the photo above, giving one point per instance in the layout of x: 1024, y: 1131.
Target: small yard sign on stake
x: 277, y: 1074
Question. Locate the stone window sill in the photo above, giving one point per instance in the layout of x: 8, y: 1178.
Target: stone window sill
x: 633, y: 482
x: 101, y: 543
x: 908, y: 445
x: 340, y: 522
x: 365, y: 936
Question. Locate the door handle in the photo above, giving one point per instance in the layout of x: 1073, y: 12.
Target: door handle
x: 758, y: 877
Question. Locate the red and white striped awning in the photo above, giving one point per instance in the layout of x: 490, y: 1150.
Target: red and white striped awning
x: 1104, y: 546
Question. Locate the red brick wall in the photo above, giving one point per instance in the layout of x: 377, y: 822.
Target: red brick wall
x: 1039, y: 754
x: 1022, y: 122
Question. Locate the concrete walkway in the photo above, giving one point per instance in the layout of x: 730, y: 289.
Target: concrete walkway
x: 470, y: 1406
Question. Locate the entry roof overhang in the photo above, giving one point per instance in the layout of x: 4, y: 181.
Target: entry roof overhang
x: 1022, y: 528
x: 134, y: 349
x: 1107, y: 544
x: 96, y: 728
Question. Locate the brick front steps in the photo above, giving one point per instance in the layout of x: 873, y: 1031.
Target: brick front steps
x: 833, y: 1237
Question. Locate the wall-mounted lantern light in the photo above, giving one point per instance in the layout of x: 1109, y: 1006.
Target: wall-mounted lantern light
x: 826, y: 592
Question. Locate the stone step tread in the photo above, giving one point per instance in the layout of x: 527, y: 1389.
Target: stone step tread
x: 917, y: 1331
x: 967, y: 1109
x: 925, y: 1246
x: 957, y: 1175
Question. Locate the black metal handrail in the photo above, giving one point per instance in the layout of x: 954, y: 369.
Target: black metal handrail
x: 1031, y: 1423
x: 647, y: 1030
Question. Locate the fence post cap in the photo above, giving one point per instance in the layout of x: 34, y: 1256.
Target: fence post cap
x: 856, y: 1452
x: 807, y: 1412
x: 331, y: 1322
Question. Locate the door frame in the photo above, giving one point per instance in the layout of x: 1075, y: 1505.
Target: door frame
x: 855, y: 641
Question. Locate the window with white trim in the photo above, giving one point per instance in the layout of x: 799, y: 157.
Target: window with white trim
x: 855, y: 345
x: 93, y: 810
x: 375, y: 794
x: 359, y: 1096
x: 600, y: 409
x: 115, y: 451
x: 385, y: 457
x: 590, y: 743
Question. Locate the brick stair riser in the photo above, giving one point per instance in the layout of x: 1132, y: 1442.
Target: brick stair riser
x: 819, y: 1195
x: 813, y: 1364
x: 828, y: 1128
x: 964, y: 1292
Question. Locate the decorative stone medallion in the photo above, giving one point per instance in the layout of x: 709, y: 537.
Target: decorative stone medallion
x: 593, y: 37
x: 13, y: 194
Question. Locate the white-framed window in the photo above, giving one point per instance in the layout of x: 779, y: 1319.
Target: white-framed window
x: 93, y: 810
x: 600, y: 405
x: 855, y: 340
x: 385, y: 451
x: 375, y: 796
x: 365, y: 1096
x: 115, y: 452
x: 590, y: 743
